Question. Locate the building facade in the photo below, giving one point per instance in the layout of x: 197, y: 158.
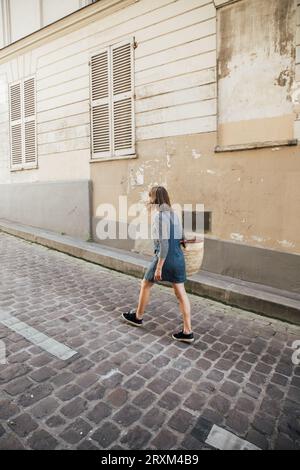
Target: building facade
x: 102, y: 99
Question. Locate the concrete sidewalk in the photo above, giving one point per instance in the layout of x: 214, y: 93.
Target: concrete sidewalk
x: 258, y: 298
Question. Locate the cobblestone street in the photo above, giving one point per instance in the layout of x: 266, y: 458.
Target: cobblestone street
x: 130, y: 388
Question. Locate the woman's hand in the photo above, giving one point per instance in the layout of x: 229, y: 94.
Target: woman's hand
x: 158, y: 274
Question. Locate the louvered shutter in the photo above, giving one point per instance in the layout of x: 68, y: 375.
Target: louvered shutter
x: 123, y: 99
x: 100, y: 105
x: 30, y: 151
x: 15, y: 98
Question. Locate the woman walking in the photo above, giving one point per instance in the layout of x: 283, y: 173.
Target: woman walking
x: 168, y: 263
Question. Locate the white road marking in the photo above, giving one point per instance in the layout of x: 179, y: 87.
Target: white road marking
x: 225, y: 440
x: 41, y: 340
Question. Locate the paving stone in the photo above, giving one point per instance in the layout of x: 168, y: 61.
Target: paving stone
x: 55, y: 421
x: 74, y: 408
x: 237, y: 422
x: 10, y: 442
x: 87, y: 445
x: 68, y: 392
x: 193, y: 375
x: 252, y: 390
x: 220, y: 404
x: 271, y: 407
x: 274, y: 392
x: 182, y: 386
x: 44, y: 408
x: 42, y: 374
x: 62, y: 379
x: 279, y: 379
x: 106, y: 435
x: 215, y: 375
x: 35, y: 394
x: 284, y: 443
x: 164, y: 440
x: 18, y: 386
x: 76, y: 431
x: 7, y: 409
x: 95, y: 393
x: 127, y: 415
x: 169, y: 401
x: 230, y: 389
x: 263, y: 368
x: 154, y: 418
x: 81, y: 366
x: 296, y: 382
x: 201, y: 430
x: 134, y: 383
x: 42, y: 440
x: 158, y: 385
x: 236, y: 376
x: 12, y: 372
x: 23, y: 425
x: 181, y: 421
x: 264, y: 424
x: 137, y: 438
x: 257, y: 379
x: 87, y: 379
x: 118, y: 397
x: 161, y: 361
x: 203, y: 364
x: 258, y: 440
x: 144, y: 399
x: 195, y: 401
x: 243, y: 366
x: 148, y: 371
x: 294, y: 395
x: 223, y: 365
x: 40, y: 360
x: 206, y: 387
x: 99, y: 412
x: 20, y: 357
x: 249, y: 357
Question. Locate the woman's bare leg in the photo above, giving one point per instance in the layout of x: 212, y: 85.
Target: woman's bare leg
x: 144, y: 298
x: 184, y: 305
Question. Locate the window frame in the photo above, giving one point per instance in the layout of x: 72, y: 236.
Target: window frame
x: 23, y: 121
x: 113, y: 154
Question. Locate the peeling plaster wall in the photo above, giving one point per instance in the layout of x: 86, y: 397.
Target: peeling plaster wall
x: 256, y: 69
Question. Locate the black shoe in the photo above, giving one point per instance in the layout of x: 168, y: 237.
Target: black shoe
x: 130, y: 317
x: 186, y: 338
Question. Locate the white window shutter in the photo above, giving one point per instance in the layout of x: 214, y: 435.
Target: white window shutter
x: 123, y: 99
x: 30, y: 147
x: 100, y: 105
x: 15, y: 101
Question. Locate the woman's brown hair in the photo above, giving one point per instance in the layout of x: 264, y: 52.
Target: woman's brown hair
x: 159, y: 196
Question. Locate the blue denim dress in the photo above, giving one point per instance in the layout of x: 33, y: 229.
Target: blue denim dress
x: 168, y: 234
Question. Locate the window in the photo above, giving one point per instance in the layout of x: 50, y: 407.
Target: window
x: 112, y: 102
x: 23, y: 124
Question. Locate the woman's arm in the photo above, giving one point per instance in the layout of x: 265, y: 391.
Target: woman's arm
x: 163, y: 231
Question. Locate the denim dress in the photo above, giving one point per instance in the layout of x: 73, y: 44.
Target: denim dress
x: 167, y: 234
